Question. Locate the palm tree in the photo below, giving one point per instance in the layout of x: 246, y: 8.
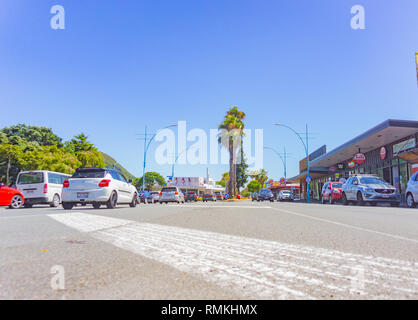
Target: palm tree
x: 230, y: 138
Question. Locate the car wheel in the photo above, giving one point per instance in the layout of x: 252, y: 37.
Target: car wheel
x: 330, y: 200
x: 360, y: 200
x: 133, y: 202
x: 113, y: 201
x: 17, y: 202
x: 67, y: 206
x: 344, y: 200
x: 96, y: 205
x: 322, y: 200
x: 410, y: 202
x: 55, y: 201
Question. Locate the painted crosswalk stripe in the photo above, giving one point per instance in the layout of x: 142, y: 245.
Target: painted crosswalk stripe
x: 253, y: 267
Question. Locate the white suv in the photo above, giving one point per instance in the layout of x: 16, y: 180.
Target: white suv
x: 412, y: 191
x: 98, y: 187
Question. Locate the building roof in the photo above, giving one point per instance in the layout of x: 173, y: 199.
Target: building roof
x: 380, y: 135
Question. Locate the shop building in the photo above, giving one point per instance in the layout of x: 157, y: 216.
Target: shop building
x: 388, y: 150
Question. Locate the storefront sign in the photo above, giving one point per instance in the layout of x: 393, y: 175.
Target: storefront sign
x: 404, y: 145
x: 359, y: 158
x: 351, y: 164
x: 340, y: 166
x: 383, y: 153
x: 188, y: 181
x: 282, y: 180
x: 333, y: 169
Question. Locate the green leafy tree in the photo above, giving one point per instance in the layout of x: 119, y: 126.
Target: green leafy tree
x: 261, y: 176
x: 86, y: 152
x: 50, y: 158
x: 151, y: 179
x: 224, y: 180
x: 230, y: 138
x: 10, y: 155
x: 242, y: 175
x: 254, y: 186
x: 40, y: 136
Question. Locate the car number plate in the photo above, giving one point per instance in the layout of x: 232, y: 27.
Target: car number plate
x: 82, y: 195
x: 29, y: 191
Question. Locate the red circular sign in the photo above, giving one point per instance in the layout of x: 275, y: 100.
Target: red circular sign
x: 359, y: 158
x: 282, y: 180
x: 383, y: 153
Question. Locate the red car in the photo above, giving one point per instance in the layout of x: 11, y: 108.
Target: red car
x: 332, y: 191
x: 11, y: 197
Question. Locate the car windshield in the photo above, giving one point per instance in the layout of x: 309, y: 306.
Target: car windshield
x: 337, y: 185
x: 286, y: 192
x: 89, y: 174
x: 371, y: 180
x: 169, y: 190
x: 265, y: 191
x: 31, y: 177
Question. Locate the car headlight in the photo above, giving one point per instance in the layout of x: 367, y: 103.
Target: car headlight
x: 369, y: 190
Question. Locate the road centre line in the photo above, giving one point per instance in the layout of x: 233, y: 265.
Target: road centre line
x: 348, y: 225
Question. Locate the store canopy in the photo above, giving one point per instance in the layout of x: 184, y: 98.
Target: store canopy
x: 383, y: 134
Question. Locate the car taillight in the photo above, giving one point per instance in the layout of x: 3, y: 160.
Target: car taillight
x: 160, y: 194
x: 45, y: 188
x: 176, y: 193
x: 104, y: 183
x: 66, y: 184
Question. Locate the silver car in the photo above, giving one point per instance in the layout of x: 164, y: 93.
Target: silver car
x: 363, y: 189
x: 412, y: 191
x: 285, y: 195
x: 171, y: 194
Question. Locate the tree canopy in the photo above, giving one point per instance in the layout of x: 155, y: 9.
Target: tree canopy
x: 254, y: 186
x: 24, y: 147
x: 151, y: 179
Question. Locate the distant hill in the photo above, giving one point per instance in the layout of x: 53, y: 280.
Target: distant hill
x: 112, y: 163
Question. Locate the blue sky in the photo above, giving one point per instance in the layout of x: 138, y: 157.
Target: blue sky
x: 121, y: 65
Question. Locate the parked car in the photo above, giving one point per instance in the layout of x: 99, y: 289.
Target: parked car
x: 171, y: 194
x: 41, y: 187
x: 156, y: 195
x: 190, y: 196
x: 98, y: 187
x: 412, y: 191
x: 285, y: 195
x: 361, y: 189
x: 219, y: 195
x: 265, y: 194
x: 254, y: 196
x: 145, y: 197
x: 331, y: 191
x: 208, y: 197
x: 11, y: 197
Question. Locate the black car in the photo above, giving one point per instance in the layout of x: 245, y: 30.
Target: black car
x: 190, y: 196
x: 145, y: 197
x: 265, y: 194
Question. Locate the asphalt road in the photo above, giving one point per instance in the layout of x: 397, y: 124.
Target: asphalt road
x: 222, y: 250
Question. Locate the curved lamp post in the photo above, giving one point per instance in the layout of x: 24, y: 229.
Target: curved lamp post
x: 146, y: 146
x: 305, y: 145
x: 283, y: 161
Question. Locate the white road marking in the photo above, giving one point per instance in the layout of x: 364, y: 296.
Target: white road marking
x: 217, y: 206
x: 394, y: 236
x: 253, y: 267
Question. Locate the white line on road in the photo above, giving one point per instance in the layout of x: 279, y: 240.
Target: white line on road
x: 253, y: 267
x: 216, y: 206
x: 348, y: 225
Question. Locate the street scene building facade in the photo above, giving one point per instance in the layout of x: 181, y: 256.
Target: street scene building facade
x: 388, y: 150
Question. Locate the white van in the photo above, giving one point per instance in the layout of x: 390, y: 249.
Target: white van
x: 41, y: 187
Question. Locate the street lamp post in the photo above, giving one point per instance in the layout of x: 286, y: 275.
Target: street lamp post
x: 283, y: 159
x: 306, y: 145
x: 146, y: 146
